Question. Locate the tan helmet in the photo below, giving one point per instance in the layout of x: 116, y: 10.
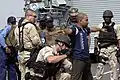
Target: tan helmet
x: 63, y: 38
x: 73, y: 10
x: 107, y: 13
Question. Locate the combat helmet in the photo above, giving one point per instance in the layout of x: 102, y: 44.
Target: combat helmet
x: 73, y: 10
x: 49, y: 21
x: 41, y: 18
x: 48, y: 18
x: 63, y: 38
x: 11, y: 20
x: 107, y: 13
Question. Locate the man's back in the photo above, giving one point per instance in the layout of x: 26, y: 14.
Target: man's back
x: 30, y: 36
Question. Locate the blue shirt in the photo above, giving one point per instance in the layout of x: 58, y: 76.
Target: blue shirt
x: 3, y: 35
x: 80, y: 43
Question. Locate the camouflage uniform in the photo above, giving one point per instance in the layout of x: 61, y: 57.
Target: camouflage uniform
x: 109, y: 53
x: 109, y: 58
x: 118, y: 38
x: 31, y: 39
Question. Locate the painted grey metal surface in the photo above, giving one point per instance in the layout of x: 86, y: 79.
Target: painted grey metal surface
x: 94, y: 9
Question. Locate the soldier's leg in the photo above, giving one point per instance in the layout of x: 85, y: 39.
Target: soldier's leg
x: 118, y: 59
x: 24, y: 56
x: 113, y: 65
x: 99, y: 71
x: 12, y: 72
x: 63, y: 76
x: 100, y: 67
x: 3, y: 66
x: 22, y: 70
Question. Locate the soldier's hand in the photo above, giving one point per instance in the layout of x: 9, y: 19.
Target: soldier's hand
x: 7, y: 50
x: 60, y: 31
x: 103, y: 30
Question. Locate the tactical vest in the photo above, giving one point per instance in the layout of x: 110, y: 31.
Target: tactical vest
x: 109, y: 37
x: 21, y: 42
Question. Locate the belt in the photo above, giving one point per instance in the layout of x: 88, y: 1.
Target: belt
x: 29, y: 50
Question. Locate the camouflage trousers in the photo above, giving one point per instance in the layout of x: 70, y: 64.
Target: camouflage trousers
x: 110, y: 59
x: 23, y: 57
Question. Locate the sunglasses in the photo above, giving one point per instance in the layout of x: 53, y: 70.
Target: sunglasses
x: 33, y: 16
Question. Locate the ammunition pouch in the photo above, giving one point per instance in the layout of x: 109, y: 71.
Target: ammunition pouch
x: 109, y: 37
x: 103, y: 59
x: 104, y: 45
x: 47, y: 70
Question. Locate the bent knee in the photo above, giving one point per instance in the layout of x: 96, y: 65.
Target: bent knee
x: 66, y: 75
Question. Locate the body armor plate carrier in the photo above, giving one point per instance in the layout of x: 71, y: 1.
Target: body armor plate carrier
x: 109, y: 37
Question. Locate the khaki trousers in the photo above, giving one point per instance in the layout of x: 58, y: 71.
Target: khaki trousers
x: 23, y: 57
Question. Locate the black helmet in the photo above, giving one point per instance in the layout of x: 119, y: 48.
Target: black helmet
x: 48, y: 18
x: 20, y: 21
x: 73, y: 10
x: 11, y: 20
x: 41, y: 18
x: 63, y: 38
x: 49, y: 21
x: 107, y: 13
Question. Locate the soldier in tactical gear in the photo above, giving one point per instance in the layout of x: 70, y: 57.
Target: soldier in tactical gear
x: 49, y: 22
x: 51, y: 63
x: 51, y: 30
x: 72, y: 16
x: 8, y: 51
x: 118, y: 52
x: 107, y: 46
x: 27, y: 39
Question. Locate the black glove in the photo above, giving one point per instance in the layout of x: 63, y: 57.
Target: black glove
x: 65, y: 51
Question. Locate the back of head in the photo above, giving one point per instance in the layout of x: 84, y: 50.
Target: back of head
x: 80, y: 16
x: 11, y: 20
x: 63, y: 38
x: 107, y: 13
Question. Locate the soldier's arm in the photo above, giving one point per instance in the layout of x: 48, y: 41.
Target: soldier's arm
x: 95, y: 29
x: 47, y: 52
x: 56, y: 32
x: 55, y: 59
x: 118, y: 35
x: 68, y: 31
